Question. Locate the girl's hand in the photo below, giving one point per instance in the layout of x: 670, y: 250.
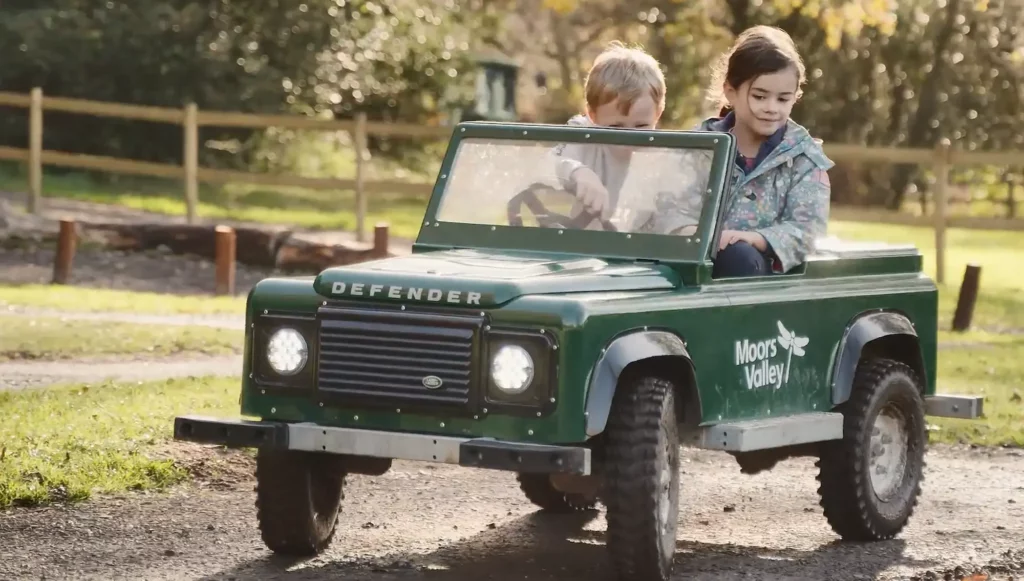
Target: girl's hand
x: 752, y: 238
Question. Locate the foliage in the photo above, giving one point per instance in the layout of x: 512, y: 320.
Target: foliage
x: 394, y: 59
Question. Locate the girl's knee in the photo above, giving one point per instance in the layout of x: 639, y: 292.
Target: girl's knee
x: 740, y: 259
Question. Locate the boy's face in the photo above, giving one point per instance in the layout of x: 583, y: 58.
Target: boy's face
x: 643, y: 114
x: 763, y: 105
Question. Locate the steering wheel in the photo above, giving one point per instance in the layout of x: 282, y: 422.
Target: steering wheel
x: 546, y: 218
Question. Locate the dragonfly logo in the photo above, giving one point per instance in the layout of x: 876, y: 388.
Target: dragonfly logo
x: 759, y: 358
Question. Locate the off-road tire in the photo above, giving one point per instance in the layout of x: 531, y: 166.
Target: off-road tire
x: 642, y: 479
x: 539, y: 490
x: 851, y: 504
x: 298, y: 499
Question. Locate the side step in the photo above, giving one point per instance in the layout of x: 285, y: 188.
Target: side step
x: 747, y: 436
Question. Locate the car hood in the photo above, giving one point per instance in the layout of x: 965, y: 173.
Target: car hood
x: 484, y: 278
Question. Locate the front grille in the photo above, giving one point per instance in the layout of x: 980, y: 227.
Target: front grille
x: 381, y: 358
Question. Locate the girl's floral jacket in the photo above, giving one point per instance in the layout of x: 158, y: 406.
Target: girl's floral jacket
x: 785, y: 197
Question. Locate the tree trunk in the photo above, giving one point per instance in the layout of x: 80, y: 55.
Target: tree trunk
x: 921, y: 133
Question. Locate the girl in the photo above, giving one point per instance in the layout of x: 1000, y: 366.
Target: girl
x: 779, y: 199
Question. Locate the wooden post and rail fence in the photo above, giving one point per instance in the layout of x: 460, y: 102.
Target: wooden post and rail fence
x: 942, y: 158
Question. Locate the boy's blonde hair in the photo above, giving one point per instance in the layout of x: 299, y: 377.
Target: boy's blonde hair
x: 624, y: 73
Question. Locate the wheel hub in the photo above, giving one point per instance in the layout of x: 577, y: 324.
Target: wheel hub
x: 666, y: 493
x: 888, y: 453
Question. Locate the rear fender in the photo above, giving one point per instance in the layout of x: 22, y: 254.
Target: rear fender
x: 666, y: 355
x: 876, y: 333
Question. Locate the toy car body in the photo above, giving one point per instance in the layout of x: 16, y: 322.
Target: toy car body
x: 583, y: 358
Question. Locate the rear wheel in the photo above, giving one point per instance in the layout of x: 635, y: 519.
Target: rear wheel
x: 642, y: 486
x: 298, y: 498
x: 540, y: 491
x: 870, y: 480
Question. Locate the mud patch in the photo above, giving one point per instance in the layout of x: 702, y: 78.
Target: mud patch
x: 211, y: 466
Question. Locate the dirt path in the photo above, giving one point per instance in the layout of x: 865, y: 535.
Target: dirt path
x: 34, y: 374
x: 423, y: 521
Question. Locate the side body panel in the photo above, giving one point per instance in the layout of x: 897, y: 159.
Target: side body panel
x: 770, y: 348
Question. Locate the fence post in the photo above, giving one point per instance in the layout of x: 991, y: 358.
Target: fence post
x: 968, y: 298
x: 942, y: 163
x: 66, y: 243
x: 360, y: 143
x: 224, y: 259
x: 190, y: 158
x: 35, y: 150
x: 380, y: 240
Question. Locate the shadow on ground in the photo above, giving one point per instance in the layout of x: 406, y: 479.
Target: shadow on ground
x: 542, y: 547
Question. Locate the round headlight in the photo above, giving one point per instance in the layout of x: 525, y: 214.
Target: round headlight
x: 512, y: 369
x: 286, y: 351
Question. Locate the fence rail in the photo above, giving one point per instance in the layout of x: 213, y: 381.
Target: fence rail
x: 942, y: 158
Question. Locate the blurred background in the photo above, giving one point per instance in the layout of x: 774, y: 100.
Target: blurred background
x: 880, y: 73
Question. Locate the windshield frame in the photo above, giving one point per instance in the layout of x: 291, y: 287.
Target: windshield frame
x: 695, y: 248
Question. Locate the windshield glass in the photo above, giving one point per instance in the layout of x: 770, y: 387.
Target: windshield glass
x: 506, y: 182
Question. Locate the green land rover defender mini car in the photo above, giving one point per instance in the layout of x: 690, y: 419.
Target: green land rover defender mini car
x: 523, y: 334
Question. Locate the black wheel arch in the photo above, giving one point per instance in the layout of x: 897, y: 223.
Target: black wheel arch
x: 877, y: 333
x: 651, y: 351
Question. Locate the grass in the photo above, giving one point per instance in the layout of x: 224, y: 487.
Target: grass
x: 991, y: 365
x: 72, y: 298
x: 50, y: 338
x: 68, y: 443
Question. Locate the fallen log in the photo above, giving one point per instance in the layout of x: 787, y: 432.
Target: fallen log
x: 281, y: 249
x: 255, y: 247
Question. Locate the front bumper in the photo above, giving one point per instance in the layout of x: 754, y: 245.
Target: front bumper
x: 469, y: 452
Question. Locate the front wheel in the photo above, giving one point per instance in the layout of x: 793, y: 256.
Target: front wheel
x: 870, y: 480
x: 298, y: 498
x: 642, y: 485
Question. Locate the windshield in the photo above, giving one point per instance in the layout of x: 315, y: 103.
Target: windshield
x: 512, y: 182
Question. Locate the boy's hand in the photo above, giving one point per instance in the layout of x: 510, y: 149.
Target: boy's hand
x: 592, y: 192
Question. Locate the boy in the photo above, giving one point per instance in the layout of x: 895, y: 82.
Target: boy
x: 624, y: 88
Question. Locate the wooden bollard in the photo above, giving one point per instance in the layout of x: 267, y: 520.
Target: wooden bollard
x: 380, y: 240
x: 967, y: 299
x: 66, y: 243
x: 224, y: 241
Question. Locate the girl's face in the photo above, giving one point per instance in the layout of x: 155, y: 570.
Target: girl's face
x: 763, y: 105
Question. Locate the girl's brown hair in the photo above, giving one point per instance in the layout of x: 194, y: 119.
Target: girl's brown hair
x: 758, y: 50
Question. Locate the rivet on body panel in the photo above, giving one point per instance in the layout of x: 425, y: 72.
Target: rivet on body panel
x: 273, y: 410
x: 442, y: 424
x: 321, y: 404
x: 265, y: 311
x: 356, y: 418
x: 263, y: 392
x: 552, y: 400
x: 529, y: 432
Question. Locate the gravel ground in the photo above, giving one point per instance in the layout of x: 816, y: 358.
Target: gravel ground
x: 31, y: 374
x: 425, y: 521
